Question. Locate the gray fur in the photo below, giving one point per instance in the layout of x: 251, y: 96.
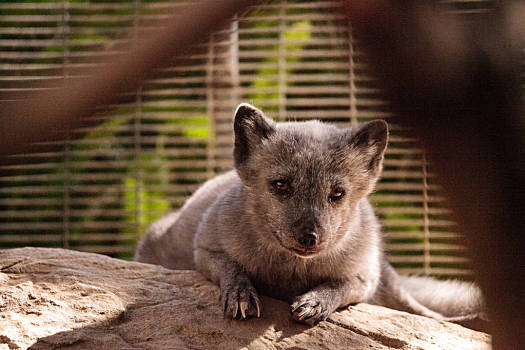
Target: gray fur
x: 245, y: 230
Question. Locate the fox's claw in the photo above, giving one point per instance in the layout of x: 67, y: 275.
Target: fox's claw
x: 240, y: 300
x: 310, y: 308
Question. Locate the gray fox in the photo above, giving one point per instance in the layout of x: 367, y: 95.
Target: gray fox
x: 292, y: 221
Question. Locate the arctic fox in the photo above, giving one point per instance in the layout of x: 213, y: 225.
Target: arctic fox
x: 292, y: 221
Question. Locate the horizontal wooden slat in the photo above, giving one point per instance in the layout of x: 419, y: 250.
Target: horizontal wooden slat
x: 420, y: 235
x: 417, y: 222
x: 317, y: 29
x: 30, y: 202
x: 60, y: 6
x: 297, y: 17
x: 33, y: 239
x: 320, y: 53
x: 174, y: 200
x: 403, y: 174
x: 421, y: 247
x: 435, y: 271
x: 404, y: 186
x: 49, y: 190
x: 306, y: 5
x: 94, y: 225
x: 50, y: 237
x: 101, y: 237
x: 431, y: 259
x: 22, y: 214
x: 405, y: 198
x: 28, y: 226
x: 250, y: 42
x: 411, y: 210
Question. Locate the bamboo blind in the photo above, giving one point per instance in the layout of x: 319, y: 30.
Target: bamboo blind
x: 296, y: 60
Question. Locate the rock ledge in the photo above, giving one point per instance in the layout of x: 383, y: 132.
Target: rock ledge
x: 56, y: 298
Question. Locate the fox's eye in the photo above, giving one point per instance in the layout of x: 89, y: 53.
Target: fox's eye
x: 280, y: 186
x: 336, y: 195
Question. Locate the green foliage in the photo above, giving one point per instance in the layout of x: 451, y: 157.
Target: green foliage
x: 142, y: 205
x: 298, y: 31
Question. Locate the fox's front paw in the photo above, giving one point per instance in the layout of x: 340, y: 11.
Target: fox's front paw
x: 311, y: 308
x: 239, y: 299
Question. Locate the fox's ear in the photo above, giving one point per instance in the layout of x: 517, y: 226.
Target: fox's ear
x: 251, y: 127
x: 371, y: 139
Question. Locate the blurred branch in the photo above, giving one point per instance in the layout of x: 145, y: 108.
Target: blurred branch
x: 49, y: 116
x: 458, y: 85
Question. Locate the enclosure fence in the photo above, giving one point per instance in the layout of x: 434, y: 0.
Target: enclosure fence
x: 296, y: 60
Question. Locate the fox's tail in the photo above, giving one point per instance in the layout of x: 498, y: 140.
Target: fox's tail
x: 450, y: 298
x: 453, y: 301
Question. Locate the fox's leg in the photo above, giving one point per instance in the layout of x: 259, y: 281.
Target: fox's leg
x: 238, y: 297
x: 317, y: 304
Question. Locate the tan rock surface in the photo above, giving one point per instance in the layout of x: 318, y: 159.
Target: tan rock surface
x: 61, y: 299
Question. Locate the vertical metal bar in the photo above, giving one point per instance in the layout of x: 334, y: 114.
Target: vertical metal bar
x: 137, y: 142
x: 234, y: 61
x: 137, y: 151
x: 66, y: 199
x: 234, y: 73
x: 426, y: 229
x: 210, y: 110
x: 351, y: 77
x: 282, y: 63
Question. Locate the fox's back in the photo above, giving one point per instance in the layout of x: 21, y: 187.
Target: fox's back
x: 176, y: 230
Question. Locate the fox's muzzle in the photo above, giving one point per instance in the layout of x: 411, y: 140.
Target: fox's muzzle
x: 308, y: 239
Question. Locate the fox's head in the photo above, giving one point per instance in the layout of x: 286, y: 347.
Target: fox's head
x: 303, y: 180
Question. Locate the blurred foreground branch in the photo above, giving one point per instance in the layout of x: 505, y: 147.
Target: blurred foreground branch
x: 48, y: 116
x: 458, y: 85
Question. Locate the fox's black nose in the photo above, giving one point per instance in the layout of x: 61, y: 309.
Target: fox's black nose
x: 309, y: 239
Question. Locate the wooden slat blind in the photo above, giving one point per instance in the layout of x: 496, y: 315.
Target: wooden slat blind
x: 296, y: 60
